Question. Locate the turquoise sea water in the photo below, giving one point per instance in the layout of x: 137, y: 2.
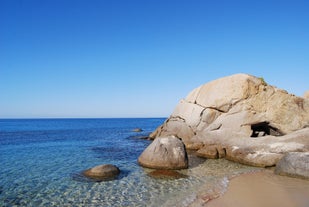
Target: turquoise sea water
x: 41, y: 162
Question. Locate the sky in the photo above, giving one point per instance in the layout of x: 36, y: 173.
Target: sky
x: 129, y: 58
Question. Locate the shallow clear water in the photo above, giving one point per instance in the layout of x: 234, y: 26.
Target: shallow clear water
x: 41, y: 161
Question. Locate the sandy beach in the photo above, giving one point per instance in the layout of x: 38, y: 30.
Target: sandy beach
x: 264, y: 189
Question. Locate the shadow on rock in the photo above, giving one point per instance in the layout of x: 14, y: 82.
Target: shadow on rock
x: 194, y: 160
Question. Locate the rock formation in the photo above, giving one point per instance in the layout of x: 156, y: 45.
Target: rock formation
x: 102, y: 172
x: 295, y: 164
x: 165, y: 153
x: 242, y: 118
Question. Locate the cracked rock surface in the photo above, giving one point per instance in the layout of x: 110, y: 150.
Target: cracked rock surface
x: 241, y: 118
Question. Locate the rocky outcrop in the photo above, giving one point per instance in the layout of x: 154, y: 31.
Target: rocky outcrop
x: 165, y: 153
x: 294, y: 164
x: 102, y: 172
x: 242, y: 118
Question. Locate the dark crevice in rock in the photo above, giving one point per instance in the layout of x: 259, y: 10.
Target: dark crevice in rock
x: 224, y: 152
x: 191, y: 127
x: 263, y: 129
x: 177, y: 118
x: 216, y: 155
x: 201, y: 117
x: 209, y: 107
x: 216, y: 128
x: 214, y: 108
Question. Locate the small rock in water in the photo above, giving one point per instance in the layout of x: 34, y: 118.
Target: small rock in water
x: 102, y: 172
x: 137, y: 130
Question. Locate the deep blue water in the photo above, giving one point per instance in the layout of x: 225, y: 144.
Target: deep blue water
x: 42, y: 161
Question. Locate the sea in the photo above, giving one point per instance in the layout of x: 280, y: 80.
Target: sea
x: 42, y: 161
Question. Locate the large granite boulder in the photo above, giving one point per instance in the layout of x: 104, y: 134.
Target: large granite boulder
x: 165, y: 153
x: 102, y: 172
x: 294, y: 164
x: 242, y: 118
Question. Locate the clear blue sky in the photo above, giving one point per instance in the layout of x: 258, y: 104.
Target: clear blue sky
x: 112, y: 58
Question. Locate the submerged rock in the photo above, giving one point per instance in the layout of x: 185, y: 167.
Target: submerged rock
x: 242, y: 118
x: 294, y: 164
x: 166, y: 174
x: 165, y: 153
x: 102, y: 172
x: 137, y: 130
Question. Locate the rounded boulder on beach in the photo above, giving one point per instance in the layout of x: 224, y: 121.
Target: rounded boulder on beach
x: 165, y: 153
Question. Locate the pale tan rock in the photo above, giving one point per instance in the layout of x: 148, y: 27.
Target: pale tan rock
x: 223, y: 93
x: 175, y: 126
x: 189, y: 112
x: 208, y: 152
x: 165, y: 153
x: 212, y: 151
x: 240, y: 116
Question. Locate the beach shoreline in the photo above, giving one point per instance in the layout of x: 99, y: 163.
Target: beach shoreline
x: 262, y: 188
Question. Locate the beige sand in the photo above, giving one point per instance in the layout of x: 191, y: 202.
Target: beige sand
x: 264, y: 189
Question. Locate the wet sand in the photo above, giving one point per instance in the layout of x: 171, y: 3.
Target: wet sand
x: 264, y: 189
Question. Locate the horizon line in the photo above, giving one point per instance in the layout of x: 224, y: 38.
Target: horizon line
x: 159, y: 117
